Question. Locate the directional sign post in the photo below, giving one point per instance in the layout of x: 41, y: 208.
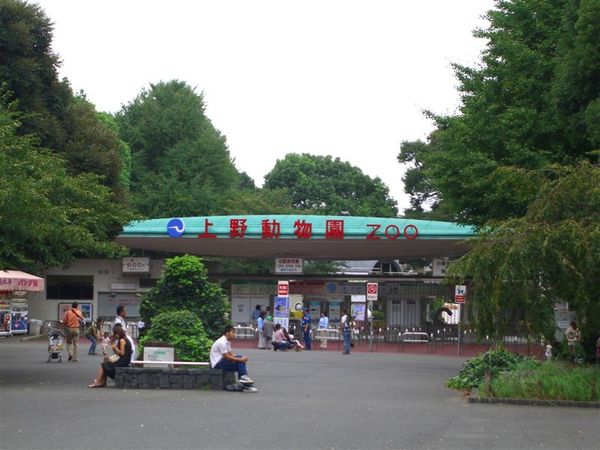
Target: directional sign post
x: 460, y: 293
x: 372, y: 293
x: 460, y: 297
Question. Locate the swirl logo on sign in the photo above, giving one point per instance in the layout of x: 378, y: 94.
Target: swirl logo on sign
x: 175, y: 228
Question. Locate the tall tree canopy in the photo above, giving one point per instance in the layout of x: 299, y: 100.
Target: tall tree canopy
x: 534, y: 101
x: 323, y: 185
x: 62, y: 122
x: 180, y: 162
x: 49, y: 216
x: 527, y: 264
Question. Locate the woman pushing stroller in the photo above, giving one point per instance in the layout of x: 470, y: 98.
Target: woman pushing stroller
x: 122, y: 357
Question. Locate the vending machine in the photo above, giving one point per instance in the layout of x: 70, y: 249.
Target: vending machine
x: 18, y: 312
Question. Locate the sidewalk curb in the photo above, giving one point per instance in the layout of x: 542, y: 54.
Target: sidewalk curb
x: 475, y: 398
x: 37, y: 337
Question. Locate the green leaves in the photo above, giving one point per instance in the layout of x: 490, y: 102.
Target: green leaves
x: 529, y: 104
x: 184, y: 285
x: 551, y: 254
x: 322, y: 185
x: 182, y: 329
x: 495, y: 362
x: 180, y: 165
x: 49, y: 217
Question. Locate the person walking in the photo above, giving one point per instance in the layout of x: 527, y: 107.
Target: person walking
x: 72, y: 320
x: 346, y: 324
x: 259, y: 329
x: 306, y: 329
x: 94, y: 334
x: 221, y: 357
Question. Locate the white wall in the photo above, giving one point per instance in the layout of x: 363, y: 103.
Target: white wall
x: 104, y: 271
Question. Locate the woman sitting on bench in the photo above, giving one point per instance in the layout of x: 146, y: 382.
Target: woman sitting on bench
x: 122, y: 355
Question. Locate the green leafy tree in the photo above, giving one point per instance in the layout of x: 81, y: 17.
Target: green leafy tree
x: 323, y: 185
x: 92, y: 145
x: 259, y: 201
x: 48, y: 216
x: 531, y: 103
x: 184, y: 331
x: 28, y: 67
x: 526, y: 265
x: 184, y: 285
x: 180, y: 162
x: 62, y: 122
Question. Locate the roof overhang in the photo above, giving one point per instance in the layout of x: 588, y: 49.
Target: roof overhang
x: 281, y: 236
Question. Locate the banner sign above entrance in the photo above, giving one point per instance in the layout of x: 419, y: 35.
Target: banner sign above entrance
x: 289, y: 265
x: 276, y: 228
x: 310, y: 237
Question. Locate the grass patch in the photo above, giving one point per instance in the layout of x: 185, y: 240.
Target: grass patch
x: 532, y: 379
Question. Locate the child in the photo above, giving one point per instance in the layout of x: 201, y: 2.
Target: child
x: 548, y: 352
x: 105, y: 343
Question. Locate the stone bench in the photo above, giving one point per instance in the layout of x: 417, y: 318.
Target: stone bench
x: 171, y: 378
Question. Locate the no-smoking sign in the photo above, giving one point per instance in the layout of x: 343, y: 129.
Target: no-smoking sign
x: 372, y: 291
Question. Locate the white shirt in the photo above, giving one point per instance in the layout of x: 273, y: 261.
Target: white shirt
x: 122, y: 322
x: 220, y: 347
x: 323, y: 322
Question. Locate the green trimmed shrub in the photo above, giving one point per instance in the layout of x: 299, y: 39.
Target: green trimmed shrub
x: 184, y: 331
x: 184, y: 285
x: 495, y: 361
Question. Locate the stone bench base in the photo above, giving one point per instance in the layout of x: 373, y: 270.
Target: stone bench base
x: 166, y: 378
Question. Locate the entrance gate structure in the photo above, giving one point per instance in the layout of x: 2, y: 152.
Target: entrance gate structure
x: 314, y: 238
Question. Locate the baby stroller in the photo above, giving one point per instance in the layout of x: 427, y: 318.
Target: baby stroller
x: 55, y: 345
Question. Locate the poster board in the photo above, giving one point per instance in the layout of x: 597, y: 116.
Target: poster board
x: 19, y: 312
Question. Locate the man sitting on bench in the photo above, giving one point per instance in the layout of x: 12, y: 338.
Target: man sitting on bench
x: 222, y: 358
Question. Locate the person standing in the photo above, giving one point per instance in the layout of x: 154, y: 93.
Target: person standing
x: 573, y: 336
x: 346, y: 324
x: 256, y: 314
x: 259, y: 329
x: 306, y: 328
x: 221, y: 357
x: 141, y: 326
x: 93, y: 334
x: 267, y: 332
x: 323, y: 325
x: 121, y: 319
x: 72, y: 320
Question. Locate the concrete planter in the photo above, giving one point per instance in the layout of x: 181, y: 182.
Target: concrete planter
x: 166, y: 378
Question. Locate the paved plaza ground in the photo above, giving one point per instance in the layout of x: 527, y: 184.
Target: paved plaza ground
x: 307, y: 400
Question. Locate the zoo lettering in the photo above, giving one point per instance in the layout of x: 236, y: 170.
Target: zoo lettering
x: 334, y: 229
